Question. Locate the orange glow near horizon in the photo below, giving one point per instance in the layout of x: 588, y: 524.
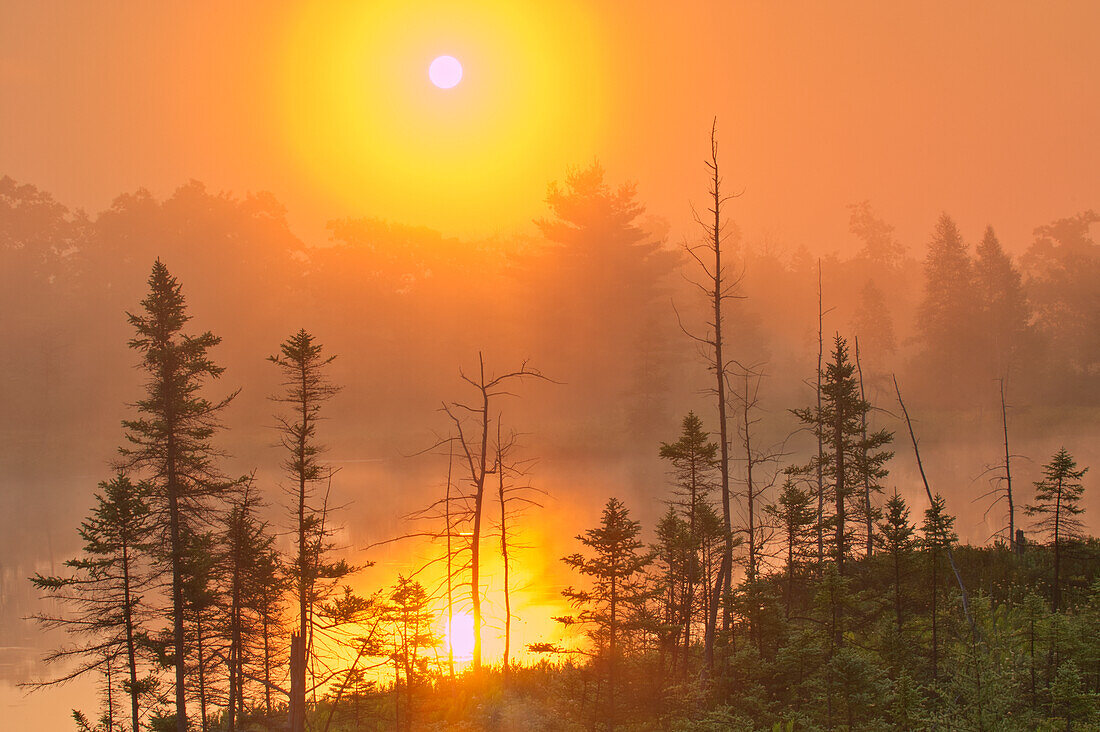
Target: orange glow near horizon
x: 368, y: 126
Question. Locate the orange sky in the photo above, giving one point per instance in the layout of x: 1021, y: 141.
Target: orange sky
x: 989, y: 111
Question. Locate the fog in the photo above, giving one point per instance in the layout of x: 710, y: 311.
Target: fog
x: 846, y: 141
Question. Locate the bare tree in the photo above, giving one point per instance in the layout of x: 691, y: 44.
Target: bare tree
x: 1008, y: 473
x: 717, y: 289
x: 474, y: 441
x: 931, y: 500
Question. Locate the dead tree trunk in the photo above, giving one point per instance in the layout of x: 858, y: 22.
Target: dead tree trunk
x: 504, y: 556
x: 717, y: 290
x: 863, y: 453
x: 928, y: 491
x: 820, y: 442
x: 476, y: 454
x: 1008, y: 475
x: 450, y: 564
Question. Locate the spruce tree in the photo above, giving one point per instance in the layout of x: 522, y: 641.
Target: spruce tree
x: 795, y: 516
x: 618, y: 589
x: 895, y: 537
x: 106, y: 588
x: 939, y: 535
x: 1058, y: 504
x: 1004, y: 308
x: 306, y: 388
x: 694, y: 460
x: 947, y: 322
x: 848, y: 458
x: 170, y: 441
x: 411, y: 617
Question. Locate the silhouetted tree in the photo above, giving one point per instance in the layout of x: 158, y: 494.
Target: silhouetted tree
x: 694, y: 461
x: 879, y: 245
x: 794, y: 513
x: 895, y: 537
x: 1005, y: 312
x: 106, y: 590
x: 250, y: 565
x: 849, y: 458
x: 939, y: 536
x: 718, y: 288
x: 1057, y: 503
x: 874, y: 326
x: 1063, y: 266
x: 475, y: 449
x: 947, y: 317
x: 676, y: 560
x: 618, y: 589
x: 599, y: 258
x: 411, y: 618
x: 171, y: 439
x: 306, y: 388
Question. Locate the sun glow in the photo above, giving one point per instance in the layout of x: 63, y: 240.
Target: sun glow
x: 460, y: 637
x: 368, y: 130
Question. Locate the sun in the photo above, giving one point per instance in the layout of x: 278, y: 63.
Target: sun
x: 445, y: 72
x: 461, y: 636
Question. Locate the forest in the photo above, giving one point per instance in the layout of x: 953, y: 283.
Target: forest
x: 757, y: 467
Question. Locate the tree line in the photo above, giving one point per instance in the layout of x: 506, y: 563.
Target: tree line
x: 799, y: 594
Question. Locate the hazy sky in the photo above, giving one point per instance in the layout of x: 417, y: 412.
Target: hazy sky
x: 987, y: 110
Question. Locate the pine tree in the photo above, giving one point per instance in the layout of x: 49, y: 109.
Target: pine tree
x: 874, y: 326
x: 677, y: 562
x: 939, y: 535
x: 1063, y: 267
x: 411, y: 617
x: 694, y: 459
x: 948, y: 312
x: 306, y: 388
x: 1004, y: 308
x: 849, y: 458
x: 618, y: 590
x: 249, y: 560
x: 895, y: 537
x: 105, y: 590
x: 795, y: 515
x: 1058, y: 504
x: 171, y: 440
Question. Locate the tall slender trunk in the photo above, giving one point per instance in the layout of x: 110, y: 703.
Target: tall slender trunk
x: 110, y: 696
x: 840, y: 538
x: 305, y: 581
x: 504, y: 556
x: 863, y: 454
x: 820, y: 440
x: 202, y: 668
x: 722, y: 586
x: 612, y: 645
x: 174, y: 531
x: 751, y: 498
x: 688, y: 609
x: 267, y: 660
x: 897, y: 586
x: 935, y: 626
x: 790, y: 571
x: 235, y: 662
x: 450, y: 567
x: 479, y: 501
x: 1008, y: 475
x: 1057, y: 593
x: 131, y: 655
